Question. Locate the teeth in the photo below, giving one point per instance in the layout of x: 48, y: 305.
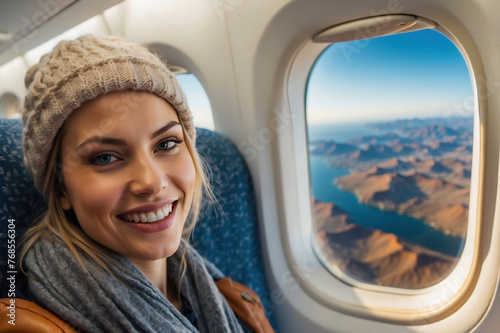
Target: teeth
x: 160, y: 214
x: 152, y: 217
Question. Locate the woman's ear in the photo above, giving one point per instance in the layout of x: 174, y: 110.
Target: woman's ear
x: 64, y: 197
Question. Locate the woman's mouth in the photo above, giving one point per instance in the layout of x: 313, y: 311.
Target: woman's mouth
x: 148, y: 217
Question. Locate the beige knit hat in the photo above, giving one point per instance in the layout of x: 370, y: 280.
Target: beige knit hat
x: 81, y: 70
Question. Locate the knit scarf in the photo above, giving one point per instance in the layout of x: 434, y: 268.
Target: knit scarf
x: 125, y: 301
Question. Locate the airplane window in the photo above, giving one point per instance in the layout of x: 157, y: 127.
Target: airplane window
x: 390, y: 127
x: 12, y: 88
x: 197, y: 100
x: 10, y: 106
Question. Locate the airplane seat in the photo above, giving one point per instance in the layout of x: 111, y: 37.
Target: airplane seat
x: 226, y: 233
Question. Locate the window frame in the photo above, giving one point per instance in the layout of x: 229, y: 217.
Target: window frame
x: 386, y: 304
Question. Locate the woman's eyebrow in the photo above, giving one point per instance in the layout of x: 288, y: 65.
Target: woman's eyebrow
x: 164, y: 129
x: 120, y: 142
x: 100, y: 139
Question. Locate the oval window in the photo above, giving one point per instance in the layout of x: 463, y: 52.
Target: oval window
x: 390, y: 128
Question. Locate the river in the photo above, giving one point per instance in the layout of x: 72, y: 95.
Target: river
x: 412, y: 230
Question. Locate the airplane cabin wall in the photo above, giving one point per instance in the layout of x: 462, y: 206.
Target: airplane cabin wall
x: 264, y: 38
x: 241, y: 51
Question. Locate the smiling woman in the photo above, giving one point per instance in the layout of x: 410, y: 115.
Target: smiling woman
x: 109, y: 141
x: 139, y: 168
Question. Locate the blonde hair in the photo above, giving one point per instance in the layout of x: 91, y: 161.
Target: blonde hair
x: 59, y: 223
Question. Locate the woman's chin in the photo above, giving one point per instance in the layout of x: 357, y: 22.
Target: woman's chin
x: 159, y: 254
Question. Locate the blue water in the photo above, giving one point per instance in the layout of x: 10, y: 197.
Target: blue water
x: 405, y: 227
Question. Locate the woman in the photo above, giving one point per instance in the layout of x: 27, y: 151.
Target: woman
x: 109, y: 141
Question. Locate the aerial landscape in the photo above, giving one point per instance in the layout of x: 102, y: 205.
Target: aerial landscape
x: 390, y: 137
x: 416, y: 170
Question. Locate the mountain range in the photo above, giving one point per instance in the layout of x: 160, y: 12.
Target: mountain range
x: 418, y: 167
x: 374, y: 256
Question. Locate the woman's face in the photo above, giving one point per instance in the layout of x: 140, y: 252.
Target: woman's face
x: 128, y: 174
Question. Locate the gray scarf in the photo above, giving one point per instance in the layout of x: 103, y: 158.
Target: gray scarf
x: 125, y: 301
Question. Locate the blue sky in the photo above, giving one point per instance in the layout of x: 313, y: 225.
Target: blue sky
x: 417, y: 74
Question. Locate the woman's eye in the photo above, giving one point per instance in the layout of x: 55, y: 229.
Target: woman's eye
x: 103, y: 159
x: 168, y: 144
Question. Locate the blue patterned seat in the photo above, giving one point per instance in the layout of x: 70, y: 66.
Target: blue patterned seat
x: 227, y: 233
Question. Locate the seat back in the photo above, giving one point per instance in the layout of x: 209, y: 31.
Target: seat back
x: 226, y: 234
x: 20, y: 202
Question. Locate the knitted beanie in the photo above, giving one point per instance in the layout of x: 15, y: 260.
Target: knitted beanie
x: 81, y: 70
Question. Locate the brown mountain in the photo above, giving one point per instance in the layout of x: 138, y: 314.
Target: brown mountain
x: 414, y: 194
x: 396, y: 165
x: 433, y: 166
x: 374, y: 256
x: 459, y: 168
x: 434, y: 132
x: 372, y: 152
x: 451, y: 218
x: 439, y: 148
x: 382, y: 258
x: 328, y: 217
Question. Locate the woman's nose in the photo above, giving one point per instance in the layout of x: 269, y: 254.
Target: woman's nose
x: 148, y: 177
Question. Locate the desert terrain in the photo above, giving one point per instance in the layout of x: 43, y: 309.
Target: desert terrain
x: 373, y: 256
x: 420, y: 168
